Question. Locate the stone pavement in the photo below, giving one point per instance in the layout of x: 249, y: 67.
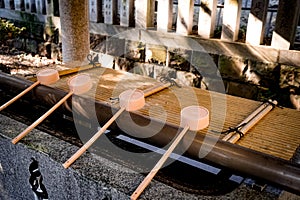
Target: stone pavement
x: 90, y: 177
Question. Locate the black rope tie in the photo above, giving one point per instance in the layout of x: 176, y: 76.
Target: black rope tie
x: 165, y: 79
x: 240, y: 133
x: 234, y: 129
x: 93, y: 60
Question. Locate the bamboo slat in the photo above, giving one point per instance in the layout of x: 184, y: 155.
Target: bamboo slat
x: 276, y: 134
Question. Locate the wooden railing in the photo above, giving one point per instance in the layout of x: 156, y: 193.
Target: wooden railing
x: 179, y: 17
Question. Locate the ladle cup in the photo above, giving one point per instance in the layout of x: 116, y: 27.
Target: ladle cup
x: 192, y: 118
x: 44, y: 76
x: 78, y: 84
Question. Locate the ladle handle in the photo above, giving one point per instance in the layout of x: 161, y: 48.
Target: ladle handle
x: 158, y: 165
x: 247, y: 120
x: 155, y: 88
x: 19, y: 95
x: 93, y: 139
x: 39, y: 120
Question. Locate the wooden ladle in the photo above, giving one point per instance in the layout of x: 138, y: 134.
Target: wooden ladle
x: 192, y: 118
x: 44, y: 76
x: 78, y: 84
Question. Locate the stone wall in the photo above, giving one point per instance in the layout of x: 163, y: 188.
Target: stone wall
x: 41, y: 35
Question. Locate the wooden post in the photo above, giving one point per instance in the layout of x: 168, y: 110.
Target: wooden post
x: 7, y: 4
x: 286, y: 24
x: 144, y: 13
x: 40, y: 6
x: 231, y: 20
x: 207, y: 18
x: 28, y: 6
x: 257, y: 22
x: 127, y: 13
x: 164, y: 15
x: 74, y: 18
x: 185, y: 17
x: 95, y: 10
x: 19, y: 5
x: 110, y: 11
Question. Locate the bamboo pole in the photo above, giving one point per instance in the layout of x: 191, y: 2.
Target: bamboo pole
x: 253, y: 121
x: 245, y: 121
x: 19, y: 95
x: 156, y: 88
x: 39, y: 120
x: 158, y: 165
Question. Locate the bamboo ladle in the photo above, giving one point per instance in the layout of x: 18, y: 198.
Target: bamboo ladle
x: 78, y: 84
x: 44, y: 76
x: 130, y: 100
x: 192, y: 118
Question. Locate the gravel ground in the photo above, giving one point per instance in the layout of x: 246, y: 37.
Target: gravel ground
x: 22, y: 64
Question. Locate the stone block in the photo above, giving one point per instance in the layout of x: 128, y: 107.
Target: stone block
x: 289, y: 76
x: 106, y: 60
x: 123, y: 64
x: 98, y: 43
x: 115, y: 46
x: 205, y: 63
x: 262, y: 73
x: 153, y: 70
x: 179, y: 59
x: 31, y: 46
x: 156, y: 53
x: 135, y: 50
x: 231, y: 67
x: 212, y: 84
x: 186, y: 78
x: 242, y: 90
